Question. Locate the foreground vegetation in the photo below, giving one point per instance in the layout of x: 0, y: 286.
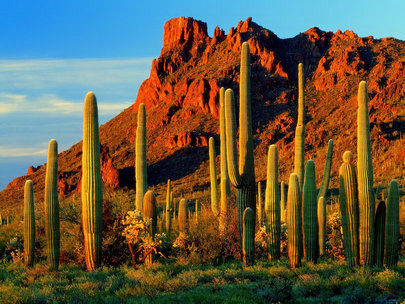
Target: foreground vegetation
x: 266, y: 282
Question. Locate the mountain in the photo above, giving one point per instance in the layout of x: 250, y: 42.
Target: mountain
x: 181, y: 98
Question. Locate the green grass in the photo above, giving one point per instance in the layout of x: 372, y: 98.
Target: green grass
x: 266, y: 282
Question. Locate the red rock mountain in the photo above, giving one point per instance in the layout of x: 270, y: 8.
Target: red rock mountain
x: 181, y: 98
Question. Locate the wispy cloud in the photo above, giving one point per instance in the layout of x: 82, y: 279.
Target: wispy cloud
x: 11, y: 152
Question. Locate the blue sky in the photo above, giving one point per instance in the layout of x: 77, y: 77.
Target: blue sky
x: 52, y: 52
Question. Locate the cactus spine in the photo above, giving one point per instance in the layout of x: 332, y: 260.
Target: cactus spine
x: 326, y: 172
x: 248, y: 242
x: 140, y: 157
x: 272, y: 205
x: 321, y: 225
x: 300, y: 128
x: 213, y: 177
x: 392, y: 225
x: 309, y: 212
x: 182, y: 217
x: 259, y: 206
x: 225, y: 187
x: 52, y: 206
x: 92, y: 190
x: 29, y: 223
x: 283, y: 202
x: 294, y: 221
x: 349, y: 207
x: 379, y: 231
x: 149, y: 210
x: 169, y: 203
x: 365, y: 179
x: 242, y: 175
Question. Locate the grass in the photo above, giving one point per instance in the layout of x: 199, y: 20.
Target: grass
x: 177, y: 281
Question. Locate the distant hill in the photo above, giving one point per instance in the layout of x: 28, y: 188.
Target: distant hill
x: 181, y: 98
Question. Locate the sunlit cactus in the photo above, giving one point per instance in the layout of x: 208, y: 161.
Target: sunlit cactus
x: 321, y: 225
x: 365, y: 179
x: 272, y: 205
x: 309, y: 214
x: 29, y: 223
x: 326, y: 172
x: 149, y: 210
x: 242, y: 175
x: 349, y: 208
x: 213, y: 177
x: 300, y: 128
x: 294, y: 221
x: 283, y: 202
x: 259, y: 206
x: 392, y: 225
x: 169, y: 207
x: 52, y: 231
x: 140, y: 158
x: 183, y: 214
x: 248, y: 242
x: 92, y: 190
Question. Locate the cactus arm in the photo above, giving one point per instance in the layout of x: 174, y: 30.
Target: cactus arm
x: 140, y: 157
x: 365, y: 179
x: 326, y: 172
x: 213, y: 177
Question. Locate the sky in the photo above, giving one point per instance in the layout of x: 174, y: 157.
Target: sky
x: 52, y: 52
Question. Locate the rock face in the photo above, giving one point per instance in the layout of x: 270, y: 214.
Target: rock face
x: 182, y: 103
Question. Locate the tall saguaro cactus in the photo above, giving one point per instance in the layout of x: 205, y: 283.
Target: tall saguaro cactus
x: 140, y: 158
x: 213, y: 177
x: 365, y: 179
x: 310, y: 213
x: 326, y: 172
x: 169, y: 206
x: 29, y: 223
x: 349, y: 207
x: 300, y: 128
x: 92, y: 190
x: 52, y: 206
x: 225, y: 187
x: 392, y: 225
x: 242, y: 175
x: 248, y: 243
x: 294, y: 221
x: 259, y: 206
x: 272, y: 205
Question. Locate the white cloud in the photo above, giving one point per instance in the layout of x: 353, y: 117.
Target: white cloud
x: 10, y: 152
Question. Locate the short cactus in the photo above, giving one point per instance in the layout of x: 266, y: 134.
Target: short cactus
x: 365, y: 179
x: 283, y: 202
x: 309, y: 214
x: 248, y: 243
x: 182, y: 217
x: 294, y: 221
x: 272, y: 205
x: 169, y: 207
x: 140, y: 158
x: 92, y: 190
x: 149, y: 210
x: 52, y: 207
x: 349, y: 208
x: 392, y: 225
x: 213, y: 177
x: 321, y: 225
x: 379, y: 234
x: 29, y: 223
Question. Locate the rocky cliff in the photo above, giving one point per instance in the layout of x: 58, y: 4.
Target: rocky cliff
x: 181, y: 98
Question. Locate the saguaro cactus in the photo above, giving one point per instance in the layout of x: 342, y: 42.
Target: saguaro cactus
x: 182, y: 218
x: 309, y: 211
x: 29, y: 223
x: 321, y: 225
x: 52, y: 206
x: 283, y: 202
x: 326, y: 172
x: 92, y: 190
x: 294, y: 221
x: 140, y: 158
x: 365, y: 179
x: 349, y: 207
x: 379, y: 231
x: 259, y: 206
x: 300, y: 128
x: 392, y: 225
x: 248, y: 243
x: 241, y: 176
x: 225, y: 187
x: 272, y: 205
x: 213, y: 177
x: 149, y: 210
x: 169, y: 207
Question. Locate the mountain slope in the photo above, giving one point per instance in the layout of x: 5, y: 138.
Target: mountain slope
x: 181, y: 98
